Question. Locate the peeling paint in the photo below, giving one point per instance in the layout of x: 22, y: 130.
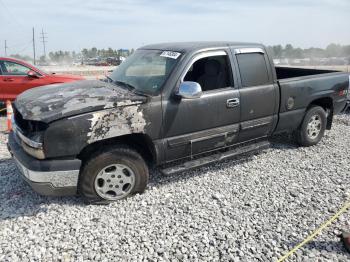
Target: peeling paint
x: 116, y: 122
x: 49, y: 103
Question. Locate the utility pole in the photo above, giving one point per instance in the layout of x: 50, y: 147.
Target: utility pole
x: 6, y: 47
x: 33, y: 46
x: 43, y: 40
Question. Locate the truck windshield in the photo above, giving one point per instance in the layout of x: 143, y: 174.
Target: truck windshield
x: 145, y: 70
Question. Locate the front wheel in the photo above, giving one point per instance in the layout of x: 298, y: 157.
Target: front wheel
x: 113, y: 174
x: 313, y: 127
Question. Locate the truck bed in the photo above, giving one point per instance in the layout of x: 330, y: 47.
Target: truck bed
x: 300, y: 87
x: 291, y: 72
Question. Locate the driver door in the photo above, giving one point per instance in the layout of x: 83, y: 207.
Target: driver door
x: 210, y: 122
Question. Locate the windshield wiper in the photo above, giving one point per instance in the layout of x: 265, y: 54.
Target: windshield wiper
x: 128, y: 86
x: 107, y: 80
x: 110, y: 80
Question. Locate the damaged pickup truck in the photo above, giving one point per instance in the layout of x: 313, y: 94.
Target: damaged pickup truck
x: 176, y: 106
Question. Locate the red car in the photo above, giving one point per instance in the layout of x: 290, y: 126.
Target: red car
x: 17, y: 76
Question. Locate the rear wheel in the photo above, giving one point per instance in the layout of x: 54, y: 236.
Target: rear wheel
x: 313, y: 127
x: 113, y: 174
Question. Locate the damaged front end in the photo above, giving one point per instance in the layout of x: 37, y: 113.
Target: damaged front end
x: 59, y: 120
x: 29, y: 134
x: 53, y: 124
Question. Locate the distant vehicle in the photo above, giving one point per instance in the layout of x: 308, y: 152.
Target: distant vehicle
x: 109, y: 61
x: 77, y: 63
x: 114, y: 61
x: 175, y: 106
x: 17, y: 76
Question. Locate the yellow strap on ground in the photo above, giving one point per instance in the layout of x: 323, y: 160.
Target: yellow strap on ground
x: 316, y: 232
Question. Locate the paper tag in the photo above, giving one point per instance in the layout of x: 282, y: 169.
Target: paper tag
x: 170, y: 54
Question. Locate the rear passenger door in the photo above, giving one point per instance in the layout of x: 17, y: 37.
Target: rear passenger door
x: 258, y: 93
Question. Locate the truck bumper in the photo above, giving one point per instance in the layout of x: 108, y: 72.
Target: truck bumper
x: 347, y: 106
x: 47, y: 177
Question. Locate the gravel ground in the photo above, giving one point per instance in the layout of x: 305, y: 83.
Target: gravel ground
x: 250, y: 209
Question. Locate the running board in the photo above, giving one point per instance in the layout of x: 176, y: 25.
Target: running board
x: 215, y: 158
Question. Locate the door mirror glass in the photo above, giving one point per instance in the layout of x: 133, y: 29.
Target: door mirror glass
x: 32, y: 74
x: 190, y: 90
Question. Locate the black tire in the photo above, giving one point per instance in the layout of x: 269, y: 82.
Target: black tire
x: 100, y: 160
x: 303, y: 136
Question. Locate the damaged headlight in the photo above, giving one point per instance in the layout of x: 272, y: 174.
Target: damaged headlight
x: 32, y: 144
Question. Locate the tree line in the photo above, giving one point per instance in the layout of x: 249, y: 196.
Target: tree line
x: 277, y: 51
x: 288, y: 51
x: 85, y: 54
x: 104, y: 53
x: 71, y: 56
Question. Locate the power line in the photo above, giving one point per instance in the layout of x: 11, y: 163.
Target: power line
x: 13, y: 18
x: 25, y: 47
x: 17, y: 48
x: 18, y: 45
x: 43, y: 40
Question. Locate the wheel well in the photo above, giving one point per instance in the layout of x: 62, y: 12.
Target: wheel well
x: 140, y: 142
x: 327, y: 104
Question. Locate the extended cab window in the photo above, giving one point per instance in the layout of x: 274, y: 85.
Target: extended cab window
x: 212, y: 72
x: 11, y: 68
x: 253, y: 69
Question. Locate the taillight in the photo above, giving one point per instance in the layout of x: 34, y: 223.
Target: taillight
x: 345, y: 91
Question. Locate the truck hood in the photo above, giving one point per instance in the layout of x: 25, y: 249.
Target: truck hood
x: 52, y: 102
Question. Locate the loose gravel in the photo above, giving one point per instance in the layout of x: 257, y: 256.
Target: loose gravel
x: 250, y: 209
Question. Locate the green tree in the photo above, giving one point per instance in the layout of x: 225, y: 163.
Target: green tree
x: 277, y: 51
x: 42, y: 59
x: 288, y: 51
x: 85, y: 53
x: 333, y: 50
x: 110, y: 52
x: 93, y: 52
x: 297, y: 53
x: 346, y: 50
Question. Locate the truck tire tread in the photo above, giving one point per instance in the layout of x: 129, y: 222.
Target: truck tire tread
x: 101, y: 158
x: 301, y: 133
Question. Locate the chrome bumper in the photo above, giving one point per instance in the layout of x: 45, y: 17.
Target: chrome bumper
x: 55, y: 178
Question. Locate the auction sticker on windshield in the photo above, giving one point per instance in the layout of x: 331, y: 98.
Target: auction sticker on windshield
x: 170, y: 54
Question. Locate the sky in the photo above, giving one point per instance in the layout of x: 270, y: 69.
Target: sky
x: 76, y: 24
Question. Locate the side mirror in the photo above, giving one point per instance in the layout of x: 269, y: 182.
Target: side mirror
x: 190, y: 90
x: 32, y: 74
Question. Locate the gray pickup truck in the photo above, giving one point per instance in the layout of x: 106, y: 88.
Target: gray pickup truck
x: 176, y: 106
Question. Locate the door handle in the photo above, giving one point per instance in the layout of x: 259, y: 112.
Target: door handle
x: 8, y: 79
x: 233, y: 102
